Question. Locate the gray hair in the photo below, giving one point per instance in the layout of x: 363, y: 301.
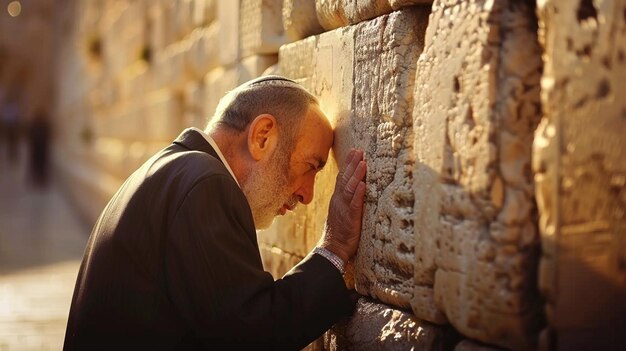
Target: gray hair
x: 280, y: 97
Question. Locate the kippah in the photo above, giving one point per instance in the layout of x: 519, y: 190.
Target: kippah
x: 272, y: 80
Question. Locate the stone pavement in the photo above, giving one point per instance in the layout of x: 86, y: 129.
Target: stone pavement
x: 41, y: 245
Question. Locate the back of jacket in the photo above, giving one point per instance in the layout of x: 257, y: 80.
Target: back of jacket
x: 173, y: 263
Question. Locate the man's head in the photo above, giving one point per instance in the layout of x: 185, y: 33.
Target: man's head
x: 279, y: 139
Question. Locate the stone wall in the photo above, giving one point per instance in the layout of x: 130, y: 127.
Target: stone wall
x: 446, y: 97
x: 580, y: 172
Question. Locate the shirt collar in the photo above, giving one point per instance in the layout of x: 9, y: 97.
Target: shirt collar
x: 217, y: 151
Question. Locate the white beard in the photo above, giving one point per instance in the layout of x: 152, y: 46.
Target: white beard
x: 267, y: 189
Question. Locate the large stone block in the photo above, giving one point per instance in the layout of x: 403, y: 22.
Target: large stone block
x: 170, y: 66
x: 363, y: 76
x: 228, y: 18
x: 300, y: 19
x: 340, y: 13
x: 476, y: 108
x: 203, y: 55
x: 163, y: 116
x: 261, y: 27
x: 377, y: 327
x: 579, y: 160
x: 194, y: 105
x: 254, y: 66
x: 217, y: 83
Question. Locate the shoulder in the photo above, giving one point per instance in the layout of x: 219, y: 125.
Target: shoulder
x: 189, y: 167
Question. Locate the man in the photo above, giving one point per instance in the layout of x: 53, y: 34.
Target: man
x: 173, y: 261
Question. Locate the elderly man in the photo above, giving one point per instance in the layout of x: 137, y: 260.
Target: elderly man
x: 173, y: 261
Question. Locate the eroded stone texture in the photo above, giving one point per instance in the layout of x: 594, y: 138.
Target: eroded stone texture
x: 580, y: 171
x: 228, y: 14
x: 261, y: 27
x: 202, y: 55
x: 385, y: 54
x: 377, y: 327
x: 363, y: 76
x: 300, y: 19
x: 476, y: 108
x: 340, y: 13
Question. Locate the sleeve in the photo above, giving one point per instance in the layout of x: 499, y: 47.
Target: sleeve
x: 216, y: 281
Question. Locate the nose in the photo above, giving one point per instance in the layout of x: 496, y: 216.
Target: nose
x: 305, y: 192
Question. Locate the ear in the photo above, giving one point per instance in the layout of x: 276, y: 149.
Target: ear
x: 262, y: 136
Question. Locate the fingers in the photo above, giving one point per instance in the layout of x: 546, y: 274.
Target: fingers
x: 359, y: 196
x: 353, y: 159
x: 356, y: 178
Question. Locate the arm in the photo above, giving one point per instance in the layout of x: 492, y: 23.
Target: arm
x: 215, y: 277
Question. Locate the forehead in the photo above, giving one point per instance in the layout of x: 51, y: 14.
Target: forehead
x: 316, y: 136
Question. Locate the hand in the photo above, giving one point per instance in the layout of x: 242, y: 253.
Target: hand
x: 343, y: 226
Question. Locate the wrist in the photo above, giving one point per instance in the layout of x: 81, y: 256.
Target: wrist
x: 336, y: 250
x: 331, y: 257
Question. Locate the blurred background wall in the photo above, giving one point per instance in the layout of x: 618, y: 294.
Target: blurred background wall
x: 493, y: 130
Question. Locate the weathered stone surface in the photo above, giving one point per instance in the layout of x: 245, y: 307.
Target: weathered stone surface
x: 203, y: 12
x: 386, y: 50
x: 363, y: 75
x: 340, y: 13
x: 202, y: 55
x: 261, y: 27
x: 195, y: 113
x: 254, y: 66
x: 163, y: 117
x: 377, y: 327
x: 228, y: 15
x: 476, y: 108
x: 300, y: 19
x: 580, y: 171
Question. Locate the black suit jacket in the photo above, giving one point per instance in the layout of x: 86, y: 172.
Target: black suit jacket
x: 173, y: 263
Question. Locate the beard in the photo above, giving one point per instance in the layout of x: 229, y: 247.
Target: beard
x: 267, y: 189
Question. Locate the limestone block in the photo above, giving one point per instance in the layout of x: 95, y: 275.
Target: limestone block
x: 217, y: 83
x: 377, y: 327
x: 194, y: 105
x: 300, y: 19
x: 254, y: 66
x: 363, y: 76
x: 579, y: 162
x: 163, y: 116
x: 229, y: 34
x: 203, y: 55
x: 184, y: 16
x: 340, y: 13
x: 156, y: 27
x: 476, y: 108
x: 261, y: 27
x: 296, y: 60
x: 203, y: 12
x: 170, y: 68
